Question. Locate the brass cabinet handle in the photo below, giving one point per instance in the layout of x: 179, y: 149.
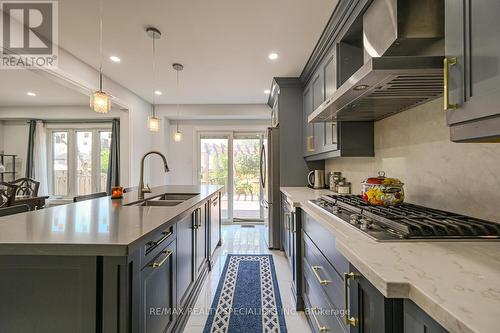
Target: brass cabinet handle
x: 447, y: 62
x: 165, y: 236
x: 310, y: 143
x: 348, y: 320
x: 320, y: 280
x: 156, y: 265
x: 286, y: 223
x: 316, y: 320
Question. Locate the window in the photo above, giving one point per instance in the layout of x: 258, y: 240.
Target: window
x: 79, y: 159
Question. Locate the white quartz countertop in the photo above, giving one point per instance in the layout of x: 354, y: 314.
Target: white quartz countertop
x: 456, y: 283
x: 102, y: 226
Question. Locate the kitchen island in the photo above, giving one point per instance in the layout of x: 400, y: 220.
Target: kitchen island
x: 108, y: 265
x: 439, y: 286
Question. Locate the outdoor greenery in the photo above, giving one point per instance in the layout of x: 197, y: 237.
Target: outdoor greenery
x: 104, y: 160
x: 246, y: 168
x: 219, y: 174
x: 246, y: 180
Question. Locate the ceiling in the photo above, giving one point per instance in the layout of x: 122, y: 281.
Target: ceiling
x: 16, y: 83
x: 223, y: 44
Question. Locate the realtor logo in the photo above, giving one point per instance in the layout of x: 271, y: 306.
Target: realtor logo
x: 29, y: 34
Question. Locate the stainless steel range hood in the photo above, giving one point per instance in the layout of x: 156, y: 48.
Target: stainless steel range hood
x: 382, y: 87
x: 403, y: 47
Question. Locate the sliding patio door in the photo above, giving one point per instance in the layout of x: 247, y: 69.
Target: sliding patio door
x: 247, y: 192
x: 214, y: 166
x: 231, y: 159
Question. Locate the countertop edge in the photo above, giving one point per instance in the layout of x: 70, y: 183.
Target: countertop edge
x: 80, y: 247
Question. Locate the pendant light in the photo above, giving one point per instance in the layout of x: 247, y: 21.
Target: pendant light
x: 177, y: 135
x: 100, y: 102
x: 153, y: 120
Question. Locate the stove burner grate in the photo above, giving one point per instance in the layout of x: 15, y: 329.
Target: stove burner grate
x: 414, y: 221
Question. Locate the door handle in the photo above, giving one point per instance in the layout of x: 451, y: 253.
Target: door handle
x: 287, y: 221
x: 261, y: 166
x: 348, y: 319
x: 199, y: 218
x: 165, y: 234
x: 320, y: 280
x: 156, y: 265
x: 320, y: 327
x: 447, y: 62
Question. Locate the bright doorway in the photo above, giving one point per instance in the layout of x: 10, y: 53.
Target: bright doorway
x: 232, y: 159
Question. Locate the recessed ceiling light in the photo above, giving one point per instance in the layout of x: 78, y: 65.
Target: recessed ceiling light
x: 157, y: 92
x: 114, y: 59
x: 32, y: 94
x: 267, y: 91
x: 273, y: 56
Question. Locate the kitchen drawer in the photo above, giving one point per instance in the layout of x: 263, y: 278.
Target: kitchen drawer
x: 318, y: 268
x: 325, y: 242
x: 154, y: 244
x: 322, y: 316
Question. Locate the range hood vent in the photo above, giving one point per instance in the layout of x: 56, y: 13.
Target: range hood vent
x: 403, y: 51
x: 382, y: 87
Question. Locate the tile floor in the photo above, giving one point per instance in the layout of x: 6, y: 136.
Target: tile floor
x: 240, y: 240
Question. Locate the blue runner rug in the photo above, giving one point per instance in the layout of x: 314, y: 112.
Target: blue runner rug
x: 247, y: 297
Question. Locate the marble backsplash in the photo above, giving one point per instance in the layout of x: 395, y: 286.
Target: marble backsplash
x: 415, y: 147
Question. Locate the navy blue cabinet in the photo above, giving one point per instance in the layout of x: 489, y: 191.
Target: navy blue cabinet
x: 338, y: 298
x: 417, y: 321
x: 185, y: 258
x: 473, y: 54
x: 369, y: 310
x: 158, y: 292
x: 291, y: 244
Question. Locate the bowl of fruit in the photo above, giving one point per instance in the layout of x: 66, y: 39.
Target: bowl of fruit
x: 382, y: 191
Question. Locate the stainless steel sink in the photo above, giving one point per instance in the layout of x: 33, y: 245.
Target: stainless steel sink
x: 164, y: 203
x: 167, y: 199
x: 177, y: 196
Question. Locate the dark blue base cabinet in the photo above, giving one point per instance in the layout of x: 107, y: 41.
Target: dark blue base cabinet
x: 149, y: 291
x: 338, y: 298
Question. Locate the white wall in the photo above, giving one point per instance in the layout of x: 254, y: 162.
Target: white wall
x: 15, y: 141
x: 182, y: 156
x: 415, y: 146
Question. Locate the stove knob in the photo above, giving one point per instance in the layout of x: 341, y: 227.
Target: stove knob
x: 366, y: 224
x: 354, y: 218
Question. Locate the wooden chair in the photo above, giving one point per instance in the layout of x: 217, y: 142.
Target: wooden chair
x: 7, y: 194
x: 14, y: 210
x: 89, y: 196
x: 26, y: 187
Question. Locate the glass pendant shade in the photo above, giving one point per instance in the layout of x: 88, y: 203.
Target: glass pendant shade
x: 153, y: 123
x: 177, y: 136
x: 100, y: 102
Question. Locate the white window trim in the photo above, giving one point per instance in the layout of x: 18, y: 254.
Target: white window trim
x: 72, y: 129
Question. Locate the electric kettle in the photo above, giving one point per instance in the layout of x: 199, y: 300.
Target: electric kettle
x: 316, y: 179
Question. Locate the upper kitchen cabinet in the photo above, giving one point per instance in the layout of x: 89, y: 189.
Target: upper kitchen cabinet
x: 308, y: 130
x: 286, y: 100
x: 330, y: 138
x: 473, y: 70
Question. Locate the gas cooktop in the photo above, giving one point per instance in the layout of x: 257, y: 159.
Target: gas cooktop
x: 406, y: 221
